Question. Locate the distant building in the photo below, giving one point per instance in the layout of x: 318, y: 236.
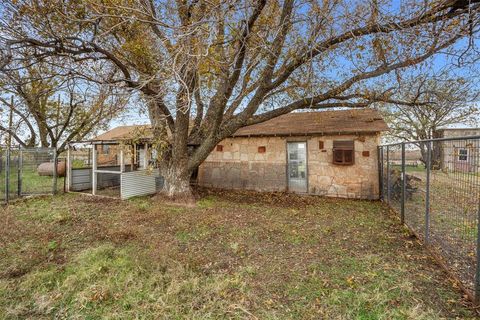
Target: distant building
x: 458, y: 155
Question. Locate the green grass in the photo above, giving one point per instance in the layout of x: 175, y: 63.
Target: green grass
x: 31, y: 183
x: 453, y: 217
x: 234, y: 255
x: 408, y: 169
x: 34, y: 183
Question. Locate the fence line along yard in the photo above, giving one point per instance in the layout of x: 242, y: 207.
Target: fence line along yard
x: 438, y: 200
x: 29, y: 171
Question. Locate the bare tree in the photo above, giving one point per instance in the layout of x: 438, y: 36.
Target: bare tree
x: 434, y: 102
x: 50, y: 110
x: 208, y: 68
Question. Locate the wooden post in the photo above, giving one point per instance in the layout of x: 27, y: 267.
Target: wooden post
x: 122, y: 160
x: 145, y: 156
x: 19, y: 171
x: 134, y: 156
x: 68, y: 177
x: 94, y: 169
x: 55, y: 171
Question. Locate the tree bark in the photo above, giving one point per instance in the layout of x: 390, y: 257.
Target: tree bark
x: 176, y: 182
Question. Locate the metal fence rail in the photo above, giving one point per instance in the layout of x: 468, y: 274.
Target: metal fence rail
x: 438, y: 199
x: 20, y: 173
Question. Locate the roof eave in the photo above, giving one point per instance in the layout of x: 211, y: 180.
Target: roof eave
x: 318, y: 133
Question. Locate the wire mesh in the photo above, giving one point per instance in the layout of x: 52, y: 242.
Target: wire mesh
x: 8, y: 173
x: 111, y: 160
x: 394, y: 192
x: 108, y: 184
x: 415, y: 190
x: 13, y: 174
x: 29, y: 171
x: 440, y: 192
x: 37, y: 171
x: 3, y: 168
x: 454, y: 194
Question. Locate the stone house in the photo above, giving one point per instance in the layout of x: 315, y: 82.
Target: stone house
x: 331, y: 153
x: 457, y: 155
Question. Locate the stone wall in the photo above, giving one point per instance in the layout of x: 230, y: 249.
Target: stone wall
x: 359, y: 180
x: 240, y: 165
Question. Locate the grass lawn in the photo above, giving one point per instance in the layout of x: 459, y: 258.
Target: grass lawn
x: 234, y: 255
x: 32, y: 183
x: 453, y: 217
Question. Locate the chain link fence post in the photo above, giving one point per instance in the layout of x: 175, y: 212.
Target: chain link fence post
x: 388, y: 175
x: 477, y: 260
x: 427, y: 192
x: 19, y: 171
x: 380, y: 171
x: 7, y: 175
x: 403, y: 176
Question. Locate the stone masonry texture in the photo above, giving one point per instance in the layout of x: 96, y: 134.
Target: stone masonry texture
x: 240, y: 166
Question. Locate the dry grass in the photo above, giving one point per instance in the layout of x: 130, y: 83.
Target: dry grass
x: 234, y: 255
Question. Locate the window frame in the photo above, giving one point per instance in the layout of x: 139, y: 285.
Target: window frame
x: 343, y: 149
x: 105, y: 149
x: 460, y: 155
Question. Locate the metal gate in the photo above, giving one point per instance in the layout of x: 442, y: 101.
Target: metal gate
x: 20, y: 175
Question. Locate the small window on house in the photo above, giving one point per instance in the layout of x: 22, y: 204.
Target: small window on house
x: 219, y: 148
x: 463, y: 154
x: 343, y: 152
x: 320, y: 145
x: 105, y: 148
x: 366, y: 153
x: 262, y: 149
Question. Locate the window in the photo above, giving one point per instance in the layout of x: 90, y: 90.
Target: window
x: 320, y: 145
x: 463, y: 154
x: 105, y: 148
x: 343, y: 152
x: 366, y: 153
x: 219, y: 148
x: 262, y: 149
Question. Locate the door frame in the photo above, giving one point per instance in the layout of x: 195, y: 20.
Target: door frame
x: 292, y: 140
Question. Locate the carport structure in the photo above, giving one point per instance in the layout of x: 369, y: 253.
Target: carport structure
x: 112, y: 166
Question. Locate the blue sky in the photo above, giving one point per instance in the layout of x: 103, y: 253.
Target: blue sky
x: 438, y: 63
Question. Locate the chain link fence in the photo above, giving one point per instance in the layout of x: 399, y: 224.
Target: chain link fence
x: 29, y: 171
x: 434, y: 187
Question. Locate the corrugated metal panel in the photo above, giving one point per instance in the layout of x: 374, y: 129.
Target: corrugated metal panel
x: 81, y: 179
x: 140, y: 183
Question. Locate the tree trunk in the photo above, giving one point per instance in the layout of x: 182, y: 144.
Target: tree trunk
x: 176, y: 182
